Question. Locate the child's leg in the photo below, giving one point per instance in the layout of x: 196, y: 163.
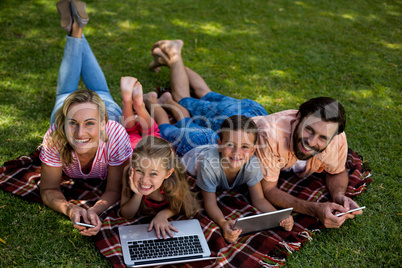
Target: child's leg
x: 178, y: 111
x: 70, y: 68
x: 131, y: 92
x: 169, y: 53
x: 197, y: 84
x: 144, y: 118
x: 126, y: 87
x: 156, y: 110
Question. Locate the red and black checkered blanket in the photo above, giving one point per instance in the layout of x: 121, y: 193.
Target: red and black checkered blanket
x: 266, y: 249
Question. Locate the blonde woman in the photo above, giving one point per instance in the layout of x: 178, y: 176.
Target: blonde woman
x: 84, y: 140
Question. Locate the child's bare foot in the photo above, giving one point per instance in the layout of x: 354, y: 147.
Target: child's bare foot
x: 150, y: 98
x: 166, y: 98
x: 172, y: 48
x: 160, y: 59
x: 137, y: 96
x: 126, y: 88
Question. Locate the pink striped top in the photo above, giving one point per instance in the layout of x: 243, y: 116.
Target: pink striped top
x: 113, y: 153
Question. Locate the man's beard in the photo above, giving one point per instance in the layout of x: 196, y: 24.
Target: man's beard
x: 297, y: 140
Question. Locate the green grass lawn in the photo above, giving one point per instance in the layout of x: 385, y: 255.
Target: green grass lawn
x: 279, y: 53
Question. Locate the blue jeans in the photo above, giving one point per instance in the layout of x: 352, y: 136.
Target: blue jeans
x: 211, y: 110
x: 185, y: 135
x: 79, y: 60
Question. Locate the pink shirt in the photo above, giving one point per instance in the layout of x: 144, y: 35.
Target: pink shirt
x: 113, y: 153
x: 136, y: 133
x: 275, y: 147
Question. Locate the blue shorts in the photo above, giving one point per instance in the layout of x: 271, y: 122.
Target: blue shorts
x: 211, y: 110
x: 185, y: 135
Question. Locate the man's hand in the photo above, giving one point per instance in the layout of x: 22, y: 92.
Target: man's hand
x: 348, y: 204
x: 324, y: 212
x: 229, y: 234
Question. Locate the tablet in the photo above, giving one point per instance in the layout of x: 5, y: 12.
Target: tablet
x: 261, y: 222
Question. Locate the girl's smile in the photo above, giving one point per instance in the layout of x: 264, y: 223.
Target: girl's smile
x: 148, y: 175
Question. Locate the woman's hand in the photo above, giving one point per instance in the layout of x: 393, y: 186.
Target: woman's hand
x: 161, y: 225
x: 79, y: 214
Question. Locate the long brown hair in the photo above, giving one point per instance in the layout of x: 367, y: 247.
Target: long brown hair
x: 176, y: 188
x: 58, y: 136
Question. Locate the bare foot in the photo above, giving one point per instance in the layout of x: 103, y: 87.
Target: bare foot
x: 165, y: 98
x: 137, y: 96
x: 126, y: 88
x: 160, y: 59
x: 172, y: 48
x: 150, y: 98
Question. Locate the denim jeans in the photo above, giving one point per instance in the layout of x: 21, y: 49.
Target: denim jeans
x: 185, y: 135
x: 79, y: 61
x: 211, y: 110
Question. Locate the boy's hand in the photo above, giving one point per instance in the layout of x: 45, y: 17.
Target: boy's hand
x: 287, y: 223
x: 229, y: 234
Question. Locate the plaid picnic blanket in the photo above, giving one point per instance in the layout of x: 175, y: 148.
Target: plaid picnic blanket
x: 266, y: 249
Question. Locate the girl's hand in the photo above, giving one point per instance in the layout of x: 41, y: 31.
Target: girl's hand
x: 287, y: 223
x: 133, y: 187
x: 79, y: 214
x: 162, y: 226
x: 229, y: 234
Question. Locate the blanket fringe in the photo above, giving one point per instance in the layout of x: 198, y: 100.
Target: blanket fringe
x: 291, y: 246
x: 267, y: 265
x: 366, y: 175
x: 278, y: 261
x: 306, y: 234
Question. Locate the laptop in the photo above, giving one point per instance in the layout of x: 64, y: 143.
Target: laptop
x: 261, y: 222
x: 142, y: 248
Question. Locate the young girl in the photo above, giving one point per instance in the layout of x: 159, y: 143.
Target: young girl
x: 155, y: 183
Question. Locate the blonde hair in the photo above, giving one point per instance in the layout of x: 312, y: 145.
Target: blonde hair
x: 176, y: 188
x: 58, y: 136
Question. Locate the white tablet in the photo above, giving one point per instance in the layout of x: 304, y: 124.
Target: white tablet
x: 261, y: 222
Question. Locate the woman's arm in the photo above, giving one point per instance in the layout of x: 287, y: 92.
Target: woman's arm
x: 52, y: 196
x: 113, y: 188
x: 50, y: 191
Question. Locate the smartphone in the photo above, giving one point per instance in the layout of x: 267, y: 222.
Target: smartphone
x: 84, y: 224
x: 355, y: 209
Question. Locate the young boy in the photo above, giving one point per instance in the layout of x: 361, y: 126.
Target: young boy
x: 228, y: 166
x: 220, y: 162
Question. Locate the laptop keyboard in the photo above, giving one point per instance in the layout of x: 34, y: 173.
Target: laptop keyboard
x: 160, y: 248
